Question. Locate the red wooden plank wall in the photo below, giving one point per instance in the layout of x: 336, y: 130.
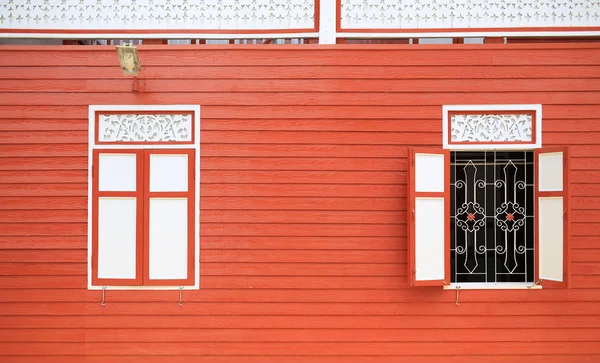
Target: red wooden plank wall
x: 303, y: 248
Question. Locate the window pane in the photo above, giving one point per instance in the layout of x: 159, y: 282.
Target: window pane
x: 116, y: 172
x: 551, y: 172
x: 116, y: 238
x: 492, y: 226
x: 168, y: 239
x: 168, y: 173
x: 429, y: 172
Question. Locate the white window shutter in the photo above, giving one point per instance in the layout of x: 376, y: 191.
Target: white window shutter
x: 117, y: 217
x: 552, y: 206
x: 170, y: 213
x: 429, y: 217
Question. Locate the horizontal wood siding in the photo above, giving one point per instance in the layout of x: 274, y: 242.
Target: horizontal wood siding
x: 303, y: 209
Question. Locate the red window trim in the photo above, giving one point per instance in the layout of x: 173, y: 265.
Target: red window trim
x: 143, y: 195
x: 144, y: 112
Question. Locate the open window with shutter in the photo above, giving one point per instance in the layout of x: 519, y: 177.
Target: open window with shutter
x: 488, y: 219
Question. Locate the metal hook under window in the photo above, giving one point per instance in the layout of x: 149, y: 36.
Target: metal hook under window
x: 457, y: 288
x: 181, y: 296
x: 102, y: 302
x: 535, y: 283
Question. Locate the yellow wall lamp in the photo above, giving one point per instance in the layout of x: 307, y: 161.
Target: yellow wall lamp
x: 130, y: 64
x: 129, y: 59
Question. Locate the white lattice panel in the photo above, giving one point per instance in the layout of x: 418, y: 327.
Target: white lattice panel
x: 144, y: 127
x: 157, y: 14
x: 423, y: 14
x: 491, y: 128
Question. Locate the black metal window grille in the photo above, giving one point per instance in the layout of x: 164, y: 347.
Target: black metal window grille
x: 492, y: 223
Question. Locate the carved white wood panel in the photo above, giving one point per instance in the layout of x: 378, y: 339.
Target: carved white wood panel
x: 497, y: 126
x: 491, y: 128
x: 144, y: 127
x: 424, y: 14
x: 157, y: 14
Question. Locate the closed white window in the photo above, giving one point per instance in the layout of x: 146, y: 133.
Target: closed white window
x: 144, y: 205
x: 143, y: 217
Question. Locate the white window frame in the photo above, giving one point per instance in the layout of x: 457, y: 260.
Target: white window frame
x: 92, y: 145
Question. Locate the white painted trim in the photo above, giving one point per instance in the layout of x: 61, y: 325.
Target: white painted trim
x: 144, y: 288
x: 327, y: 22
x: 356, y: 35
x: 454, y: 34
x: 493, y: 286
x: 92, y: 146
x: 133, y: 108
x: 490, y: 109
x: 138, y: 35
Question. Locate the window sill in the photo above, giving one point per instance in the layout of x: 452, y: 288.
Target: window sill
x: 141, y: 288
x: 498, y: 286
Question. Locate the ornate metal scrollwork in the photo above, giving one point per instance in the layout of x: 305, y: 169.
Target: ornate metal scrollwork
x: 490, y: 217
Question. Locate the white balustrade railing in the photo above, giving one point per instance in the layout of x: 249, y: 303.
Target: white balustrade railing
x: 158, y: 16
x: 327, y: 19
x: 478, y: 15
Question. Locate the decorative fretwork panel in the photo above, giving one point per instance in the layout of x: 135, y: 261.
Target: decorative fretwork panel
x: 423, y: 14
x: 491, y: 128
x: 492, y: 222
x: 157, y: 14
x: 130, y: 127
